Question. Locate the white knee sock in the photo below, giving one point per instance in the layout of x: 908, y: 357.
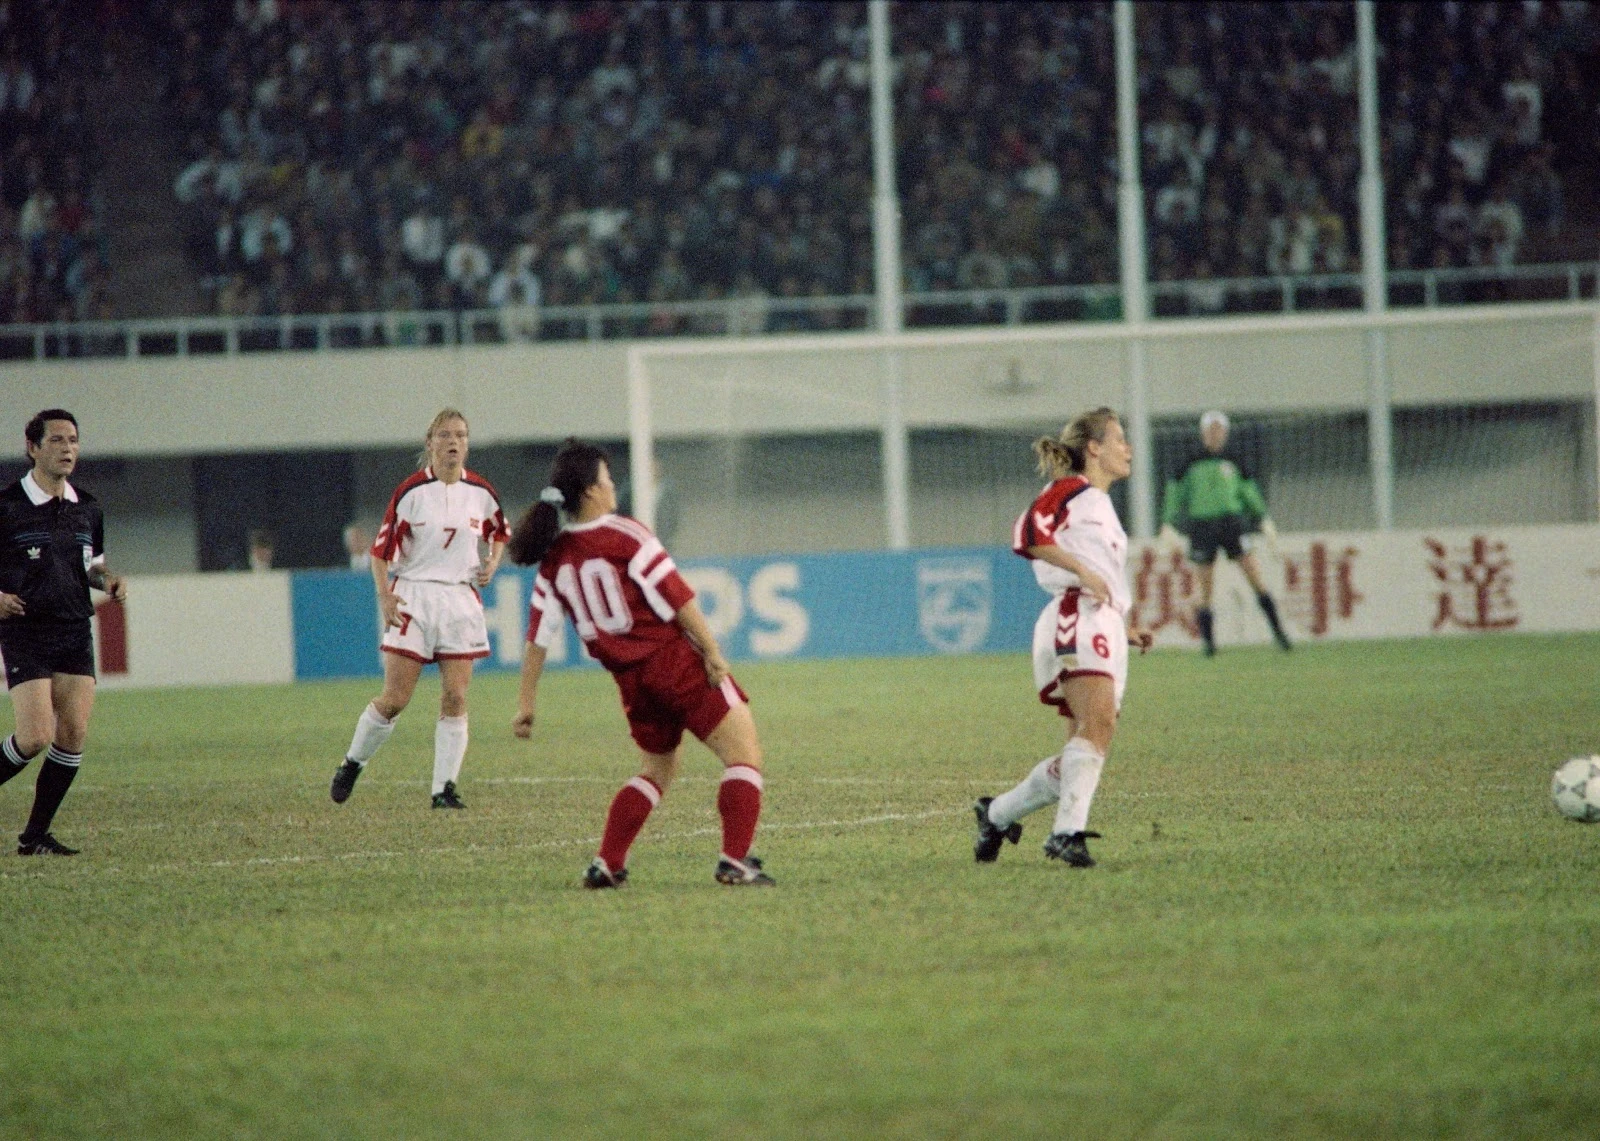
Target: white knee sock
x: 1081, y: 763
x: 1040, y: 787
x: 371, y: 731
x: 449, y: 747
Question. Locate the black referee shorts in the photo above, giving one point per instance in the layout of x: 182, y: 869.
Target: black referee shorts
x: 1208, y: 536
x: 34, y: 650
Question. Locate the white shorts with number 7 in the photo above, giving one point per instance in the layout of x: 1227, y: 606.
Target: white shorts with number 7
x: 1075, y: 636
x: 438, y: 621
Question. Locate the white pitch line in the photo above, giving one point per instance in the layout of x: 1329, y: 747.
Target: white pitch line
x: 469, y: 849
x: 975, y: 783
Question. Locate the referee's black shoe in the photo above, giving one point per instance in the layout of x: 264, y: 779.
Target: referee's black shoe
x: 344, y: 781
x: 45, y: 845
x: 447, y: 798
x: 986, y: 849
x: 1070, y: 848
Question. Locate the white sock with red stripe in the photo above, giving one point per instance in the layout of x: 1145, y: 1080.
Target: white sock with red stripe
x: 1081, y: 763
x: 630, y: 808
x: 372, y: 730
x: 1040, y: 787
x: 449, y: 747
x: 739, y: 802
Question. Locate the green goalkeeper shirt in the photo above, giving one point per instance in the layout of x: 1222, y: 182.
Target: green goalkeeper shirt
x: 1213, y: 487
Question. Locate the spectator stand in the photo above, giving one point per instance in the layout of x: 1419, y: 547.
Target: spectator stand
x: 53, y: 250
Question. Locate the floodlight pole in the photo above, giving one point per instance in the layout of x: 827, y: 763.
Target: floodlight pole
x: 1374, y: 276
x: 641, y: 440
x: 1135, y: 287
x: 887, y: 282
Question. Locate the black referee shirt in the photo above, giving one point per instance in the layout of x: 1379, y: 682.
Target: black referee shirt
x: 46, y: 547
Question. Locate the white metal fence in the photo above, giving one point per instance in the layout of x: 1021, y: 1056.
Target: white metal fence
x: 745, y: 316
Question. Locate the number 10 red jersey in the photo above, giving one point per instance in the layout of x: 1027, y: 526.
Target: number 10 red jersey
x: 619, y: 586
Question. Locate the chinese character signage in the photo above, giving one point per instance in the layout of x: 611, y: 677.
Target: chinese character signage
x: 1397, y: 584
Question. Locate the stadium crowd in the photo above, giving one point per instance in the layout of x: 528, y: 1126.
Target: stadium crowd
x: 53, y: 253
x: 359, y: 157
x: 1250, y: 149
x: 1478, y: 101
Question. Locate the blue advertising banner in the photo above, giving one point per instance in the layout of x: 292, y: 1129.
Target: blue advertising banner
x: 856, y: 604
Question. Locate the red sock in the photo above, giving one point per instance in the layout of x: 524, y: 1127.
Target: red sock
x: 739, y: 801
x: 630, y: 808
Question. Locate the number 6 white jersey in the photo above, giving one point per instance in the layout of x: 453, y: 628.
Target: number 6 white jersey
x: 618, y: 584
x: 430, y: 532
x: 1080, y: 519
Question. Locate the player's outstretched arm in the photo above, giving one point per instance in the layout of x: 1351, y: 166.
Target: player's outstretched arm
x: 388, y: 601
x: 695, y: 627
x: 1269, y: 532
x: 1255, y: 504
x: 528, y: 691
x: 1088, y: 579
x: 1173, y: 508
x: 491, y: 564
x: 101, y: 578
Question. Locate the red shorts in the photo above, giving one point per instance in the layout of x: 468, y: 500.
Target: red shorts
x: 668, y: 693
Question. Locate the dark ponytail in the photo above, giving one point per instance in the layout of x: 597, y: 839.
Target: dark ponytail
x: 576, y: 470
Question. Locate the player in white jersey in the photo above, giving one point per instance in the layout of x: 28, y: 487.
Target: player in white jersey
x: 1080, y: 643
x: 441, y: 540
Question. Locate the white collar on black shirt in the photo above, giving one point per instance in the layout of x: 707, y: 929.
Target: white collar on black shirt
x: 38, y: 496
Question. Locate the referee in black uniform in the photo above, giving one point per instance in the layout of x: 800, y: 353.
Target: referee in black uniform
x: 52, y: 550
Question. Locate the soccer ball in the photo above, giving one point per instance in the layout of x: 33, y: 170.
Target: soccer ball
x: 1576, y: 790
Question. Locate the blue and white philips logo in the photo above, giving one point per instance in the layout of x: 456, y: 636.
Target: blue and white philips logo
x: 955, y: 598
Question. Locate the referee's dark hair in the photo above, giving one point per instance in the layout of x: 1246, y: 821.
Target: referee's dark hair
x: 34, y: 432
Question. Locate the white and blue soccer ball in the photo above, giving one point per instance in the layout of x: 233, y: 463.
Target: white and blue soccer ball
x: 1576, y: 789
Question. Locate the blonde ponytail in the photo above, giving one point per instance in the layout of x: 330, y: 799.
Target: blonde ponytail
x: 1069, y: 454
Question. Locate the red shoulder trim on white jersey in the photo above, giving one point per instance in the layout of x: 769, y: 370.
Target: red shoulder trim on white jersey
x: 415, y: 479
x: 1037, y: 526
x: 472, y: 477
x: 495, y: 529
x: 389, y: 535
x: 409, y: 484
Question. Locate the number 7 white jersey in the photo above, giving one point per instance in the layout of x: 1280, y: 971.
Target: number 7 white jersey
x: 616, y: 581
x: 430, y: 532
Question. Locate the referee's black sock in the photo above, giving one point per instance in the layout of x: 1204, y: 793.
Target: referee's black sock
x: 12, y: 761
x: 55, y: 777
x: 1202, y: 618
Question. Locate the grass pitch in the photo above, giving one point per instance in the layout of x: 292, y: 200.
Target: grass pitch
x: 1333, y: 900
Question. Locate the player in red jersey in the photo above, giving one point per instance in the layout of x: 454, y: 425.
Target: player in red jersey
x: 637, y: 618
x: 1078, y: 549
x: 427, y: 567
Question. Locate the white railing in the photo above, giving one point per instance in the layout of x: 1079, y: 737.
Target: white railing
x: 742, y: 316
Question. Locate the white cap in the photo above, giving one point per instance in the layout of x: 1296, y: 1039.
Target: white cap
x: 1214, y: 417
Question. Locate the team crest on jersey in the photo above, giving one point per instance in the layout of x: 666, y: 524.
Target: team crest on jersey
x: 955, y: 598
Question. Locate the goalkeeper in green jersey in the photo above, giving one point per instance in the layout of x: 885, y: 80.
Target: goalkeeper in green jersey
x: 1216, y: 504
